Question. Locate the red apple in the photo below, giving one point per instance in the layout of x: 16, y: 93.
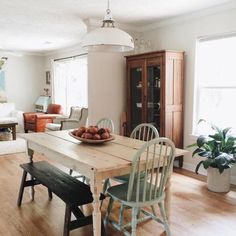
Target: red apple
x: 96, y: 137
x: 105, y: 135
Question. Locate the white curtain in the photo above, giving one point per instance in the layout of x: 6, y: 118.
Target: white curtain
x: 70, y: 84
x: 216, y: 83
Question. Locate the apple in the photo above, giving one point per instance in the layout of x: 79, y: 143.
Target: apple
x: 108, y: 130
x: 82, y: 129
x: 101, y: 131
x: 105, y: 135
x: 88, y: 136
x: 93, y: 129
x: 79, y: 133
x: 96, y: 137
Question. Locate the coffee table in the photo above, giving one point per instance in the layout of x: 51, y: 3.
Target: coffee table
x: 11, y: 125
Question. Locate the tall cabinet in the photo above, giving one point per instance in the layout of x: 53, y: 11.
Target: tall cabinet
x: 155, y: 93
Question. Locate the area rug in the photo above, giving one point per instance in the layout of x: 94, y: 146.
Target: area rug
x: 14, y: 146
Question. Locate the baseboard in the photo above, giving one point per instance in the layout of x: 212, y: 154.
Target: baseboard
x: 202, y: 171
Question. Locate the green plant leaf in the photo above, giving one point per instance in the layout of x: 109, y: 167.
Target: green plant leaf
x: 217, y: 129
x: 202, y: 140
x: 205, y: 154
x: 197, y: 151
x: 208, y: 163
x: 198, y: 166
x: 221, y: 170
x: 217, y: 137
x: 192, y: 145
x: 225, y: 131
x: 200, y: 121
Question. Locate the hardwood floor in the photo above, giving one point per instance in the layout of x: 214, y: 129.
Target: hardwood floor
x: 195, y: 210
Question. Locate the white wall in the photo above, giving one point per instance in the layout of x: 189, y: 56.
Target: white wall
x: 182, y: 35
x: 106, y: 84
x: 24, y: 77
x: 107, y: 88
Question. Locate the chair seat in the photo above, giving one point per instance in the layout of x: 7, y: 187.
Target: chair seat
x: 125, y: 178
x: 119, y: 192
x: 53, y: 126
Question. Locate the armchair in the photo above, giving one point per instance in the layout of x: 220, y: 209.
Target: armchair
x: 36, y: 121
x: 78, y: 117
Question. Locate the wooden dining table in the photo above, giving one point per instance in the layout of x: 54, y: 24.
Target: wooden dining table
x: 95, y: 161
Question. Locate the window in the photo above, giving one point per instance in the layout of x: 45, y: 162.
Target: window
x: 70, y: 87
x: 215, y: 82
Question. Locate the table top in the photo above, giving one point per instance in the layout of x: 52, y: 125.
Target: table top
x: 8, y: 122
x: 117, y: 153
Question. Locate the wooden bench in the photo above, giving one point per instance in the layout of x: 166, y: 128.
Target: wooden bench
x: 72, y: 191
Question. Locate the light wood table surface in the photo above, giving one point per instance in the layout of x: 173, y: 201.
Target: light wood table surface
x: 95, y: 161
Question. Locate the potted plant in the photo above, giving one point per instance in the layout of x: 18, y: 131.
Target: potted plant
x: 219, y: 151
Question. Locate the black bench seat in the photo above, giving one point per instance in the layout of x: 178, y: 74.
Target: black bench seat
x: 72, y: 191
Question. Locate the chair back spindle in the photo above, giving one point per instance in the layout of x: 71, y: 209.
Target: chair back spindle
x: 106, y: 123
x: 144, y: 132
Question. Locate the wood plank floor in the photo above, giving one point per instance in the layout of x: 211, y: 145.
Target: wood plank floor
x: 195, y: 210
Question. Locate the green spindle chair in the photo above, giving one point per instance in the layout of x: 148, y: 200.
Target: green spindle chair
x: 155, y: 158
x: 106, y: 123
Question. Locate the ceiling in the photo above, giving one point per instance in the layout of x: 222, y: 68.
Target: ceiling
x: 48, y: 25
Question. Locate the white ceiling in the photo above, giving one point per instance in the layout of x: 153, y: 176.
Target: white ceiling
x: 48, y: 25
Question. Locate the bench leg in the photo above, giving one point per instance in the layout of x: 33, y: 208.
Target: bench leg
x: 22, y: 186
x: 67, y: 221
x: 70, y: 172
x: 49, y: 194
x: 30, y: 155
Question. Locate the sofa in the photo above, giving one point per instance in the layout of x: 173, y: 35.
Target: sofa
x: 8, y: 112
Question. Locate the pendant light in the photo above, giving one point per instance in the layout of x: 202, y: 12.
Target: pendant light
x: 108, y: 38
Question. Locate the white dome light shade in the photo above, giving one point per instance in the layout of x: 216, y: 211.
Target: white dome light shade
x: 108, y: 39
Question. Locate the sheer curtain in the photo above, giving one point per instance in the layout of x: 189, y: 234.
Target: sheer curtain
x: 70, y: 84
x: 216, y: 83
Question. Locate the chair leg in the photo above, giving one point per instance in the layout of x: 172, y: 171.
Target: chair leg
x: 49, y: 194
x: 106, y: 185
x: 163, y: 214
x: 67, y: 221
x: 103, y: 231
x: 153, y: 210
x: 106, y: 219
x: 22, y: 186
x: 121, y: 215
x: 135, y: 211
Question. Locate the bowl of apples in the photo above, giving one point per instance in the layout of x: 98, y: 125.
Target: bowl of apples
x: 92, y: 134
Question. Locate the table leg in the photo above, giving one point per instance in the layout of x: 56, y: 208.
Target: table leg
x: 168, y: 197
x: 30, y: 155
x: 96, y: 188
x: 14, y: 132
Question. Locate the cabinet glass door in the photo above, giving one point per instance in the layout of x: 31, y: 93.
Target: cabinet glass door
x: 153, y: 95
x: 136, y: 96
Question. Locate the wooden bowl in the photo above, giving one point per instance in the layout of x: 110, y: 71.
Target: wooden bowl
x: 93, y: 141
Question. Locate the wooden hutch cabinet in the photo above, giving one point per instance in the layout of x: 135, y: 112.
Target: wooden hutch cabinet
x: 155, y: 93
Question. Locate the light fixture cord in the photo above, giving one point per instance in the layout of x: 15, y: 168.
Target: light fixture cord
x: 108, y: 7
x: 108, y: 20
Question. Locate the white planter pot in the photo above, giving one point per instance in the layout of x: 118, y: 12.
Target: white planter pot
x: 217, y: 182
